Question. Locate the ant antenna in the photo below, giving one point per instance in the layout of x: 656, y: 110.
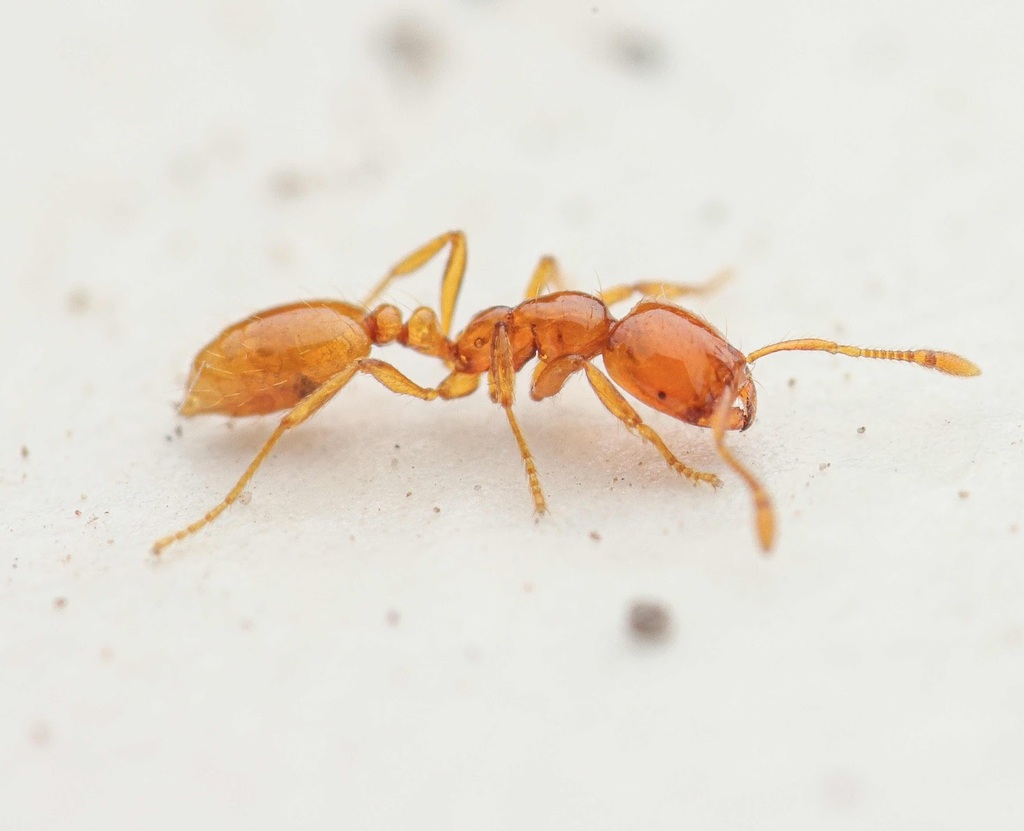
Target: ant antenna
x: 942, y: 361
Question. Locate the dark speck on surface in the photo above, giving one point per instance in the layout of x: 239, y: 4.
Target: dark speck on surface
x: 649, y: 620
x: 638, y: 51
x: 79, y: 300
x: 291, y: 184
x: 411, y: 48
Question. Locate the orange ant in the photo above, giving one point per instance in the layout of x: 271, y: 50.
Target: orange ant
x: 297, y: 357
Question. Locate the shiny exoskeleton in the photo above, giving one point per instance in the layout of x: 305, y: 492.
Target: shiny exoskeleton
x: 298, y: 356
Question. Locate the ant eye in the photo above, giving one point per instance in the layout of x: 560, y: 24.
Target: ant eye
x: 479, y: 343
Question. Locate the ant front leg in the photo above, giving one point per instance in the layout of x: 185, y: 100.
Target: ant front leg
x: 549, y: 378
x: 451, y: 283
x: 383, y: 372
x: 764, y: 513
x: 502, y: 382
x: 669, y: 291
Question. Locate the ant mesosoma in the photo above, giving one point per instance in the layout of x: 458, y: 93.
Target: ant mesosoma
x: 297, y: 357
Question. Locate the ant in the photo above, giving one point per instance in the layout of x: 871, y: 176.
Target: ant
x: 297, y: 357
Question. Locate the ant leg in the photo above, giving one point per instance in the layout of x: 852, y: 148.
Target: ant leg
x: 383, y: 372
x: 943, y: 361
x: 546, y: 275
x: 451, y: 283
x: 502, y: 380
x: 458, y: 385
x: 669, y: 291
x: 763, y: 511
x: 551, y: 379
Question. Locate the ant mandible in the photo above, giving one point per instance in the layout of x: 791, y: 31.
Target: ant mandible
x: 297, y: 357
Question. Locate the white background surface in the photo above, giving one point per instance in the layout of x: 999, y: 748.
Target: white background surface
x: 168, y: 168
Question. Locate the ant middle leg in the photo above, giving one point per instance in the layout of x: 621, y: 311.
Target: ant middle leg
x: 549, y: 378
x: 451, y: 283
x: 385, y: 373
x: 546, y: 275
x: 502, y: 379
x: 669, y: 291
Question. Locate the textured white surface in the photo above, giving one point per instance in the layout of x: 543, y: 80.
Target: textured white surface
x: 171, y: 167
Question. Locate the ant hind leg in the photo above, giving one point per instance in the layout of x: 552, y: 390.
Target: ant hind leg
x: 306, y: 408
x: 668, y: 291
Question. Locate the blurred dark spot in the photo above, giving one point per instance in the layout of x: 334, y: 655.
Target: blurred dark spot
x: 24, y: 451
x: 78, y: 301
x: 861, y: 429
x: 290, y: 184
x: 638, y: 51
x: 963, y: 494
x: 411, y: 48
x: 393, y: 617
x: 649, y: 620
x: 60, y: 603
x: 596, y: 537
